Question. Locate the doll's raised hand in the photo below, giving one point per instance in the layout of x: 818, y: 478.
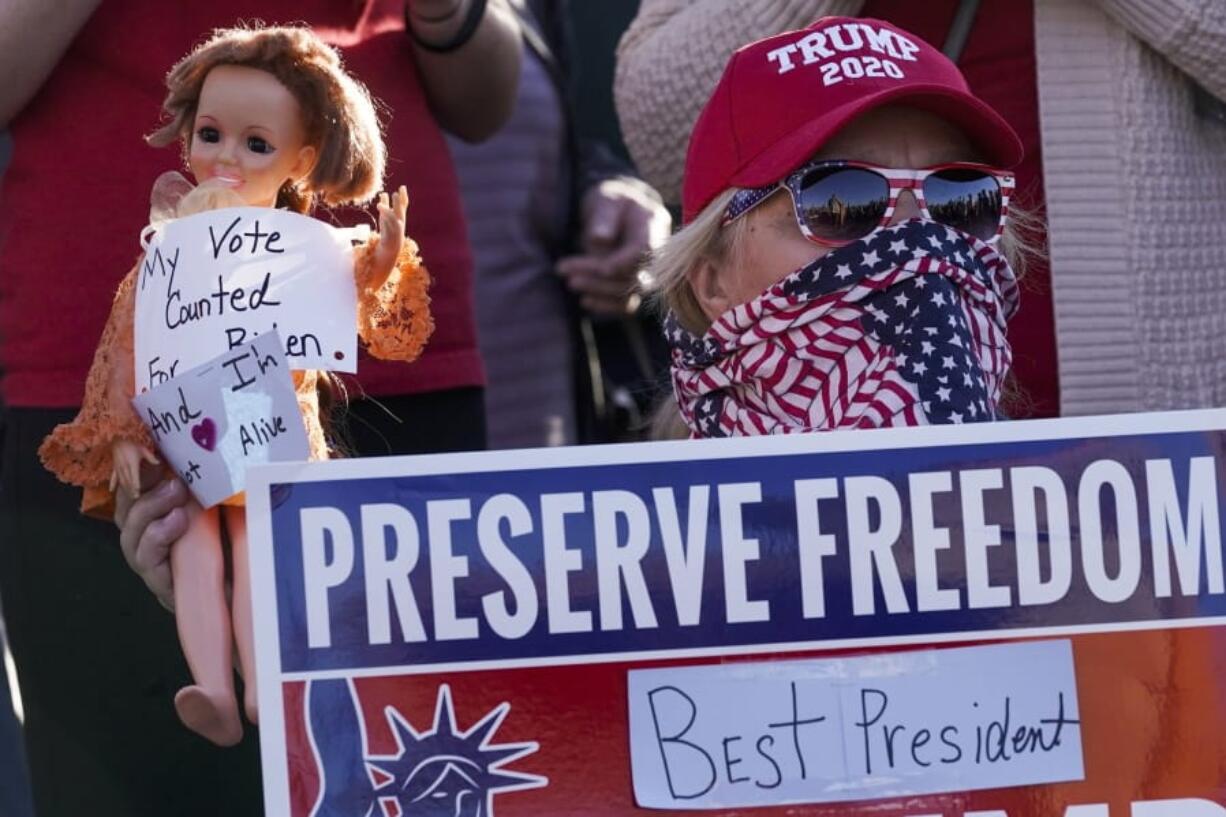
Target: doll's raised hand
x: 391, y: 233
x: 126, y: 457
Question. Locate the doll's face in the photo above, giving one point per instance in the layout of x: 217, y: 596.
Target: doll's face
x: 248, y: 134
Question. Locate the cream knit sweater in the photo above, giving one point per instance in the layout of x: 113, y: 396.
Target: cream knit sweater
x: 1135, y: 181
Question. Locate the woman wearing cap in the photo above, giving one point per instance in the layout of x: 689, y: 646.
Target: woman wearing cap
x: 846, y: 260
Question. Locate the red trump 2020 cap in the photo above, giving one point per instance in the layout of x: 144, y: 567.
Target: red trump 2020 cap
x: 781, y: 98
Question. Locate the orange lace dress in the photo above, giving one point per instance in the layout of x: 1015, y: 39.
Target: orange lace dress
x: 394, y: 323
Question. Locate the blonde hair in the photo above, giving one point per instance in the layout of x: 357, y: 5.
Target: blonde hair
x: 707, y: 239
x: 703, y: 239
x: 337, y: 111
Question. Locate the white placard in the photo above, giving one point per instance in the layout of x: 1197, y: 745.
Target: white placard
x: 821, y: 731
x: 213, y: 422
x: 216, y: 280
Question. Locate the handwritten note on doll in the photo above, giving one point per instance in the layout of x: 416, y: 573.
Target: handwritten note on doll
x: 213, y: 421
x: 217, y: 280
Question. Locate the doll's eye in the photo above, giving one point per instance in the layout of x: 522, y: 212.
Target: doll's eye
x: 209, y: 134
x: 257, y: 144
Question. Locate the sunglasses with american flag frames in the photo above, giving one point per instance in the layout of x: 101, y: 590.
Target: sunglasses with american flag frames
x: 838, y: 202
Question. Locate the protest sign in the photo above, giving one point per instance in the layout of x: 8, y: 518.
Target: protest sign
x: 711, y: 625
x: 213, y: 422
x: 213, y: 281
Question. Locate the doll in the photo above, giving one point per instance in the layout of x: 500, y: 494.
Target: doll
x: 267, y: 117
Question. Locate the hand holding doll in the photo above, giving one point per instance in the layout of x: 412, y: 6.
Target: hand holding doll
x: 148, y: 528
x: 391, y: 233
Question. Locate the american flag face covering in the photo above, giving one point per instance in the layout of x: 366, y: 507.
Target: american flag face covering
x: 903, y: 327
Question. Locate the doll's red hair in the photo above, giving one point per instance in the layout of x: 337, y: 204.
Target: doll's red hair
x: 338, y: 113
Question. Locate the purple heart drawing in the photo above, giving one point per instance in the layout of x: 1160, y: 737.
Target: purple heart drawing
x: 204, y: 433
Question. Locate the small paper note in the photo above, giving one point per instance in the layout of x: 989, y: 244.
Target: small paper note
x: 889, y: 725
x: 217, y: 280
x: 213, y: 422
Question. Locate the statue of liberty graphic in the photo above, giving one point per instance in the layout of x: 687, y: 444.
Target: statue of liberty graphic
x: 442, y: 772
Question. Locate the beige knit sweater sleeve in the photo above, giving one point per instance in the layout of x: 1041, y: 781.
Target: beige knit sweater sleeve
x: 1189, y: 33
x: 670, y: 60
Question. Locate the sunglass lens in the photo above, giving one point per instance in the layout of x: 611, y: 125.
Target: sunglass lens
x: 965, y: 199
x: 842, y: 204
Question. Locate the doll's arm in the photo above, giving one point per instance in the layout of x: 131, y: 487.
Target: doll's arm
x: 393, y: 302
x: 129, y: 446
x: 391, y: 239
x: 81, y: 452
x: 126, y: 457
x: 121, y: 370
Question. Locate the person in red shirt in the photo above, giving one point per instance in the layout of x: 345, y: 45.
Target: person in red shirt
x: 96, y: 658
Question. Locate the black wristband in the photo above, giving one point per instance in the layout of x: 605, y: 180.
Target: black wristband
x: 472, y: 21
